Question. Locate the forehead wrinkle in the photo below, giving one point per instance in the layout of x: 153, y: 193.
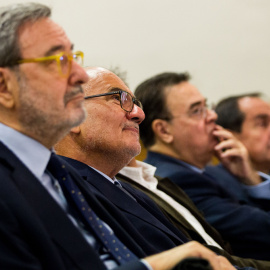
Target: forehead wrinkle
x: 94, y: 82
x: 102, y: 81
x: 42, y: 29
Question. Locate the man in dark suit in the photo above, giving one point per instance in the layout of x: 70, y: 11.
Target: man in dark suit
x: 104, y: 143
x: 247, y: 116
x: 49, y: 218
x: 173, y: 202
x: 137, y: 207
x: 181, y: 136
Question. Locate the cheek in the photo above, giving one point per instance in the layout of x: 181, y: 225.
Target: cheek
x: 256, y: 143
x: 48, y: 83
x: 101, y: 122
x: 201, y: 133
x: 253, y: 138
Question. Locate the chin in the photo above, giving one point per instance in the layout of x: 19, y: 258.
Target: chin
x: 80, y: 117
x: 135, y: 151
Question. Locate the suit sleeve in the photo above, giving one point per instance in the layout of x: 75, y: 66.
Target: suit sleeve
x: 260, y: 191
x: 247, y: 228
x: 136, y: 265
x: 14, y: 250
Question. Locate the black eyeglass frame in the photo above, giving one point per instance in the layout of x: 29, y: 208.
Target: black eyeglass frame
x: 134, y: 100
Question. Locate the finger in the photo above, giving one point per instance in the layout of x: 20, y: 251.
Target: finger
x: 233, y: 152
x: 225, y: 264
x: 227, y: 144
x: 223, y: 134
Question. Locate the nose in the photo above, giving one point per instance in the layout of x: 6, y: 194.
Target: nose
x: 77, y: 74
x: 136, y: 114
x: 211, y: 115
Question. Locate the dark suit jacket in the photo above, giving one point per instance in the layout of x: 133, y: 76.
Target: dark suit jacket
x: 245, y: 227
x: 36, y: 233
x: 142, y: 214
x: 174, y: 191
x: 229, y: 182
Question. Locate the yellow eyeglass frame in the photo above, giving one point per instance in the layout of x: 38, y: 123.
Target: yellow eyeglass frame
x: 59, y: 58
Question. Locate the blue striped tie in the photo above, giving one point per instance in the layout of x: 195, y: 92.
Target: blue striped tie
x: 117, y: 249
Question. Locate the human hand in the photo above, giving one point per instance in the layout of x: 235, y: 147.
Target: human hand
x: 234, y: 156
x: 170, y: 258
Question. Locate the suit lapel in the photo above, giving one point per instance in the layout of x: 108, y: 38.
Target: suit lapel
x: 162, y: 203
x: 180, y: 196
x: 118, y: 197
x: 125, y: 203
x: 54, y: 219
x: 107, y: 215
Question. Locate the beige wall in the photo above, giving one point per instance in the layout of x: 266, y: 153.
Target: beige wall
x: 224, y: 44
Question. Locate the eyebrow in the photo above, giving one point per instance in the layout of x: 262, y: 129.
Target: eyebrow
x: 115, y: 89
x: 118, y: 89
x: 261, y: 116
x: 197, y: 103
x: 57, y: 48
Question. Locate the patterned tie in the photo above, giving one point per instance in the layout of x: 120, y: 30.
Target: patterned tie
x: 120, y: 253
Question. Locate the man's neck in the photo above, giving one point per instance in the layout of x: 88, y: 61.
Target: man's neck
x: 102, y: 163
x: 265, y: 168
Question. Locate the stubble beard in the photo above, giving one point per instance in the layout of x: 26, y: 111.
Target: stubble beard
x: 100, y: 146
x: 39, y: 122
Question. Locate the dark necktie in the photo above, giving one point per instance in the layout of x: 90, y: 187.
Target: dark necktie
x: 120, y: 253
x: 116, y: 183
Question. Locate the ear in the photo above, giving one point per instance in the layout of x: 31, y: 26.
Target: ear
x: 7, y: 84
x: 76, y: 130
x: 162, y: 130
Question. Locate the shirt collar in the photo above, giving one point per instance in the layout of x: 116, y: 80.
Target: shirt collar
x: 192, y: 167
x: 33, y: 154
x: 156, y: 155
x: 105, y: 175
x: 142, y: 174
x: 264, y: 175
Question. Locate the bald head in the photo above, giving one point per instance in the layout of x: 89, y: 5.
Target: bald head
x: 101, y: 79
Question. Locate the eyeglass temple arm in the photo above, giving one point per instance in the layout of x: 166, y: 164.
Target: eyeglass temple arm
x: 104, y: 94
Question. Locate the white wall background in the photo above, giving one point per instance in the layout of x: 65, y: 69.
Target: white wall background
x: 224, y: 44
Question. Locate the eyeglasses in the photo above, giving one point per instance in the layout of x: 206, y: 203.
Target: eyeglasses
x: 198, y: 112
x: 127, y: 101
x: 63, y: 60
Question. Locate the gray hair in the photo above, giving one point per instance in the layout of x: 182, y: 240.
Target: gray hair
x: 12, y: 17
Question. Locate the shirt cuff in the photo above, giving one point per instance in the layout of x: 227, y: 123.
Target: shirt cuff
x: 262, y: 190
x: 147, y: 265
